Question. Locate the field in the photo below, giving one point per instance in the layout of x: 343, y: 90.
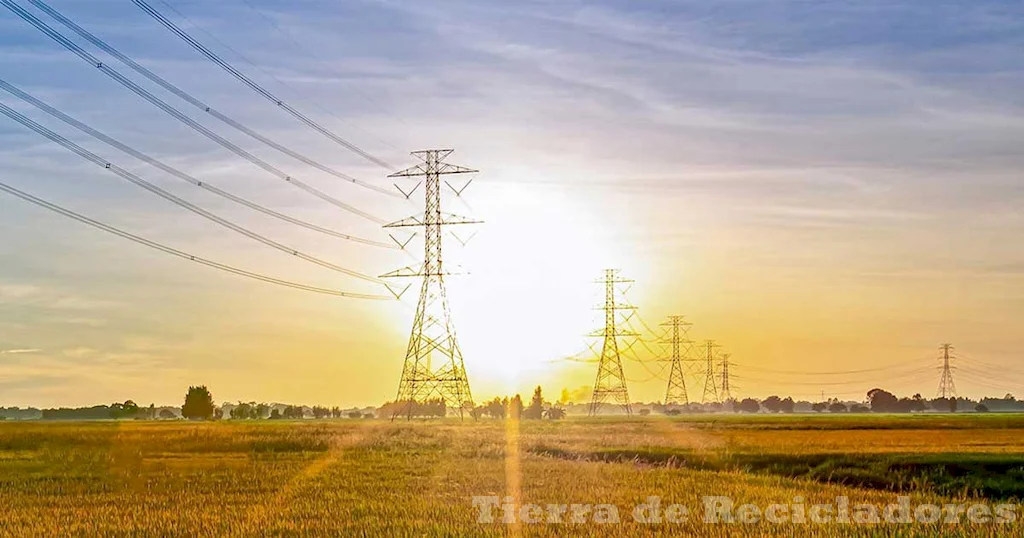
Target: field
x: 375, y: 478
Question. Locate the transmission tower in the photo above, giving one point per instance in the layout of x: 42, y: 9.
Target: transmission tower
x: 710, y: 388
x: 725, y: 394
x: 947, y: 389
x: 679, y: 339
x: 610, y: 386
x: 433, y: 361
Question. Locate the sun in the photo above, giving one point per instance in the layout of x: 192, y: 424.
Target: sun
x: 529, y: 297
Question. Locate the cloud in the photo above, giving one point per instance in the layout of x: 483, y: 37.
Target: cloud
x: 19, y: 351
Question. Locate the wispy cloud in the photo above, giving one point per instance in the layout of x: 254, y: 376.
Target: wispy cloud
x: 23, y: 351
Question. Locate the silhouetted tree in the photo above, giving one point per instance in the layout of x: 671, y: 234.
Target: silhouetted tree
x: 555, y: 413
x: 275, y: 414
x: 515, y: 408
x: 981, y: 408
x: 819, y: 407
x: 536, y: 409
x: 748, y: 405
x: 787, y: 405
x: 355, y: 414
x: 858, y: 408
x: 773, y: 404
x: 882, y: 401
x: 837, y: 407
x: 198, y: 404
x: 167, y: 414
x: 262, y: 410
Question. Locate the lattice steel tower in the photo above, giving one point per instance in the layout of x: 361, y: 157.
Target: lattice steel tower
x: 947, y: 389
x: 725, y: 394
x: 611, y: 381
x: 433, y: 361
x: 682, y: 347
x: 710, y: 388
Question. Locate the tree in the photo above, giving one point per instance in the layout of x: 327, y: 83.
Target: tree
x: 515, y: 408
x: 167, y: 414
x: 198, y: 404
x: 748, y: 405
x: 275, y: 414
x: 837, y: 407
x: 859, y: 408
x: 981, y: 408
x: 321, y: 412
x: 644, y: 412
x: 882, y: 401
x: 555, y: 413
x: 262, y: 411
x: 354, y: 414
x: 787, y: 405
x: 773, y: 404
x: 819, y: 407
x: 536, y: 409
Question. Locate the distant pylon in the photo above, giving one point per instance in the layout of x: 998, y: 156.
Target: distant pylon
x: 710, y: 388
x: 679, y: 339
x: 725, y: 393
x: 433, y: 367
x: 611, y: 381
x: 947, y: 389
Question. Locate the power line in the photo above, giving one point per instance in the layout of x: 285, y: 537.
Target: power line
x: 192, y: 100
x: 177, y: 114
x: 310, y: 54
x: 177, y: 173
x: 812, y: 373
x: 254, y: 86
x: 174, y: 252
x: 96, y: 159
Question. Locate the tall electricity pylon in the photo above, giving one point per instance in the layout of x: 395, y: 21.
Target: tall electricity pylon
x: 611, y: 381
x: 725, y: 393
x: 433, y: 361
x: 710, y: 388
x: 947, y: 389
x: 679, y: 339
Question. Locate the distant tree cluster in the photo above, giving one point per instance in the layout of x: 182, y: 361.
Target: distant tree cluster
x: 431, y: 408
x: 512, y: 408
x: 126, y: 410
x: 249, y: 410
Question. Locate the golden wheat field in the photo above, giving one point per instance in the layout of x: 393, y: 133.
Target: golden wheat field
x: 376, y: 478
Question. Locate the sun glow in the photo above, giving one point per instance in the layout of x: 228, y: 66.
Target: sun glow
x: 529, y: 296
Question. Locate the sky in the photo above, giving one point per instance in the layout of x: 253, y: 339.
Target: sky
x: 817, y: 186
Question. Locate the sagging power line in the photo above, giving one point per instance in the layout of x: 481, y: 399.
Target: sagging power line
x: 178, y: 173
x: 99, y: 161
x: 178, y: 115
x: 192, y: 100
x: 180, y: 254
x: 213, y: 57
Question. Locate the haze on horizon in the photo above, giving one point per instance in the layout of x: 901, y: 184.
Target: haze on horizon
x: 815, y: 186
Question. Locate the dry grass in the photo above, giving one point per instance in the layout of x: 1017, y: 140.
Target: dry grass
x: 370, y: 478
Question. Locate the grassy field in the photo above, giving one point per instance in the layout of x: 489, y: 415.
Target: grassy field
x: 374, y: 478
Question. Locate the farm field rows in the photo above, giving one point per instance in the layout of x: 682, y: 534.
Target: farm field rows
x: 375, y: 478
